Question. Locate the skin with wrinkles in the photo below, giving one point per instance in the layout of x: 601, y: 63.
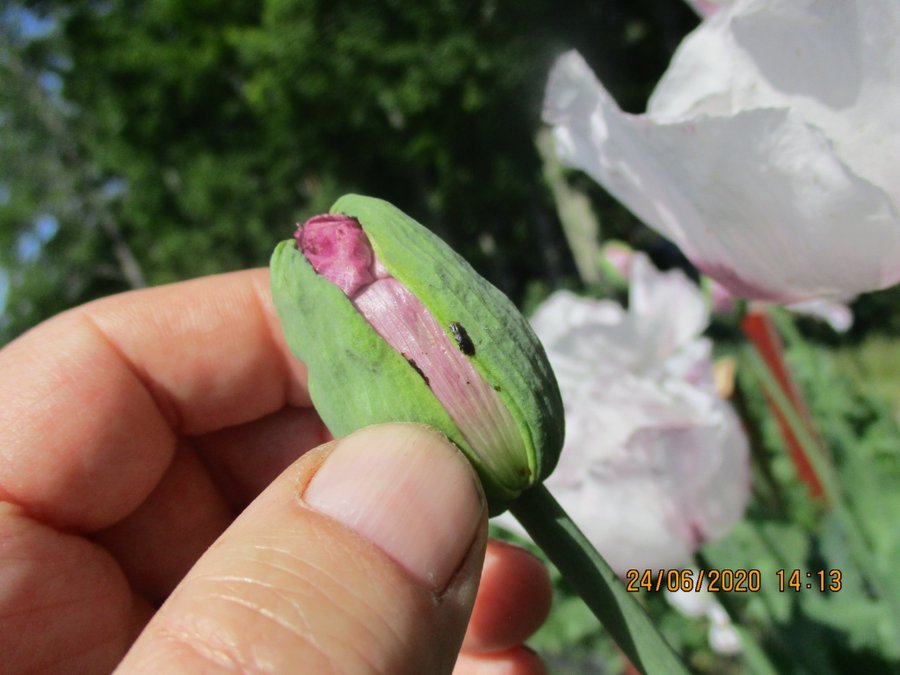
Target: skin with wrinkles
x: 103, y: 515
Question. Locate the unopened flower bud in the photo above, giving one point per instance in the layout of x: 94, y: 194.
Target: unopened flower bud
x: 395, y: 326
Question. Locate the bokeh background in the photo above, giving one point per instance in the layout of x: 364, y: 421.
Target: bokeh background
x: 144, y: 143
x: 148, y: 142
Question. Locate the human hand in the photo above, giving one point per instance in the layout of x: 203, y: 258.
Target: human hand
x: 134, y: 430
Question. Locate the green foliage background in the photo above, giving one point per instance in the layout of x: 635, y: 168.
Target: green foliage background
x: 147, y: 142
x: 173, y: 139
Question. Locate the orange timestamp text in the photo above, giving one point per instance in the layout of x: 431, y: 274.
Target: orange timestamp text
x: 728, y: 580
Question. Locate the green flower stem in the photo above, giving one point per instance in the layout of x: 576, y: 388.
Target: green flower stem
x: 594, y: 580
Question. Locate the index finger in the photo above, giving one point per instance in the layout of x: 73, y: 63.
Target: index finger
x: 95, y: 398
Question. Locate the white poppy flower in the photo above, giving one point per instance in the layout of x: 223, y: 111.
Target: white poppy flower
x: 836, y: 314
x: 655, y: 462
x: 722, y: 636
x: 769, y: 149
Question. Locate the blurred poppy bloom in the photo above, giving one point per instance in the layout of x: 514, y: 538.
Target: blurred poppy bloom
x: 768, y: 150
x: 654, y: 462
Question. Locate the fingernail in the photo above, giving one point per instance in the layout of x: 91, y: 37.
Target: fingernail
x: 406, y: 489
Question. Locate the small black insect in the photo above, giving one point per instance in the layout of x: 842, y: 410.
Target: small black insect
x: 463, y: 341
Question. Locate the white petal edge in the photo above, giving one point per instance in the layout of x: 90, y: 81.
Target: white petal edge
x: 834, y: 63
x: 758, y: 201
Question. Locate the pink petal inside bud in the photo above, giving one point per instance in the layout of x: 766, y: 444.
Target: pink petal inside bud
x: 338, y: 249
x: 406, y: 324
x: 398, y: 316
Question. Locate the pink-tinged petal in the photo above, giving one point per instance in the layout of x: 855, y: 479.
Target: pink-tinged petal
x: 618, y: 255
x: 338, y: 249
x: 672, y: 306
x: 780, y: 232
x: 650, y: 475
x: 564, y: 311
x: 768, y: 152
x: 723, y: 300
x: 707, y: 8
x: 399, y: 317
x: 836, y: 314
x: 666, y: 314
x: 654, y: 463
x: 833, y: 64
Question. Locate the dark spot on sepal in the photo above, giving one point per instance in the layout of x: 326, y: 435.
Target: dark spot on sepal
x: 417, y: 369
x: 463, y: 341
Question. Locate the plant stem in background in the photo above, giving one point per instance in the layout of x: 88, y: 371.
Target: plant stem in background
x: 593, y: 579
x: 881, y: 585
x: 579, y: 222
x: 759, y: 328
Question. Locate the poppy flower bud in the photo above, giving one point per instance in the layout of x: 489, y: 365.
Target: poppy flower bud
x: 395, y: 326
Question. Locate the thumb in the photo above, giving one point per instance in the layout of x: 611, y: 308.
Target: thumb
x: 364, y: 556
